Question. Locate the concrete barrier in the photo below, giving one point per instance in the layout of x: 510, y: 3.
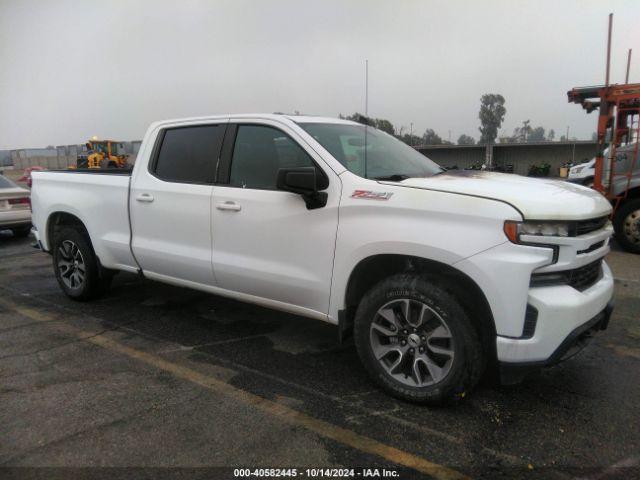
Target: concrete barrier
x: 59, y: 157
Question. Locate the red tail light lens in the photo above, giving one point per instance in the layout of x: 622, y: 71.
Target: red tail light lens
x: 18, y: 201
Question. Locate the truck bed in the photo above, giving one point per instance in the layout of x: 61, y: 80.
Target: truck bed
x: 99, y: 198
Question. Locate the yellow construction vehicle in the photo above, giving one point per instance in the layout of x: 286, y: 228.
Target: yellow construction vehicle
x: 102, y: 154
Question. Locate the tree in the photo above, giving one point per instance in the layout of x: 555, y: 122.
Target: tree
x: 551, y: 135
x: 491, y: 115
x: 526, y: 133
x: 536, y: 135
x: 431, y: 138
x: 466, y: 140
x: 379, y: 123
x: 410, y: 139
x: 385, y: 125
x: 358, y: 117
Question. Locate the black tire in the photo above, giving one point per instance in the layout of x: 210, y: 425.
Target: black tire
x: 21, y: 232
x: 468, y: 362
x: 626, y: 224
x: 96, y: 281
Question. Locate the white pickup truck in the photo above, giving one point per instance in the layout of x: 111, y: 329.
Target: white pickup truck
x: 438, y: 274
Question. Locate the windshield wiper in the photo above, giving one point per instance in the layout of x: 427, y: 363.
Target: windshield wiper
x: 393, y: 178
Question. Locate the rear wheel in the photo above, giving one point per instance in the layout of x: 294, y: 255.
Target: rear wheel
x: 627, y: 225
x: 416, y: 341
x: 76, y: 266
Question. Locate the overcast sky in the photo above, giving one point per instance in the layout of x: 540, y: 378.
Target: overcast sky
x: 73, y: 69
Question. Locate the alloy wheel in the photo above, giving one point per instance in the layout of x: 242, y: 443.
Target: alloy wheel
x: 71, y: 265
x: 412, y: 342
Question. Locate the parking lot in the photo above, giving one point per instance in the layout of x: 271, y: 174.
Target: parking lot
x: 158, y: 376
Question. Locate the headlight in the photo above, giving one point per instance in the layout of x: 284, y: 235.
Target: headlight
x: 513, y: 230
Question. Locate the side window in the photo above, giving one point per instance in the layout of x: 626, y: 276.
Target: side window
x: 259, y: 152
x: 189, y: 154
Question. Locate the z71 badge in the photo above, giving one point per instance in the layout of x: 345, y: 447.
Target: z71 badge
x: 370, y: 195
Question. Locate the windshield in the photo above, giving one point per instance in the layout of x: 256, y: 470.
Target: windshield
x: 384, y: 157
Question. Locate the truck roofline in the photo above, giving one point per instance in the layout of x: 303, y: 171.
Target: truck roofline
x: 264, y: 116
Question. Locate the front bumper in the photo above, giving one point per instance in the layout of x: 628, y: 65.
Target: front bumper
x: 579, y: 180
x: 512, y: 373
x: 561, y: 310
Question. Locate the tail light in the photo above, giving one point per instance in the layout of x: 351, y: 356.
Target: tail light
x: 19, y: 201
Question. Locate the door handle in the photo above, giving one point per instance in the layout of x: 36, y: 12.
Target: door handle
x: 145, y: 197
x: 232, y: 206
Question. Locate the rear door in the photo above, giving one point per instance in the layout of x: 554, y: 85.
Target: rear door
x: 170, y: 204
x: 266, y: 242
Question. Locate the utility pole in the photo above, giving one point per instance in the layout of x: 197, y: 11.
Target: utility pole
x: 567, y: 137
x: 626, y: 79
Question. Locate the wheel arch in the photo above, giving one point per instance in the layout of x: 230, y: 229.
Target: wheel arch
x: 634, y: 192
x: 59, y: 219
x: 373, y: 269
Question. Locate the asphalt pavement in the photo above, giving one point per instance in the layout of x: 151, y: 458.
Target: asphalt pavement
x: 153, y: 376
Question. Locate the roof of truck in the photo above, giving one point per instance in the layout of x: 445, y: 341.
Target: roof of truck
x: 266, y: 116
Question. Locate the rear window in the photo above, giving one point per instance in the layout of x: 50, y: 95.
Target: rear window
x: 189, y: 154
x: 6, y: 183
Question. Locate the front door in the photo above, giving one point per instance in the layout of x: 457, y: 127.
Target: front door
x: 266, y: 243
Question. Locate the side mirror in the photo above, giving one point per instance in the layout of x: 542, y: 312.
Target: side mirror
x: 302, y: 180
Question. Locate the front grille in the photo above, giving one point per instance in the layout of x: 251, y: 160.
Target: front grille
x: 584, y: 277
x: 579, y: 278
x: 583, y: 227
x: 593, y: 247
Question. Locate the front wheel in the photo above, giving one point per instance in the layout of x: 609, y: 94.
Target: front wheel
x: 626, y: 224
x: 76, y: 266
x: 416, y: 341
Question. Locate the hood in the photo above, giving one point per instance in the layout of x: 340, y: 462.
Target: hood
x: 535, y: 198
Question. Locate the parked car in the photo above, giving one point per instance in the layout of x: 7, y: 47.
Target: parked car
x: 26, y: 176
x: 15, y: 208
x: 583, y: 173
x: 437, y: 274
x: 626, y: 184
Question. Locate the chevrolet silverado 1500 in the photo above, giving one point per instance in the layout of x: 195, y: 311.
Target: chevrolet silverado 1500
x: 437, y: 274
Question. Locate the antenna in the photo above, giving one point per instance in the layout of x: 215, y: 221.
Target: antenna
x: 366, y: 112
x: 626, y: 80
x: 366, y: 89
x: 606, y: 82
